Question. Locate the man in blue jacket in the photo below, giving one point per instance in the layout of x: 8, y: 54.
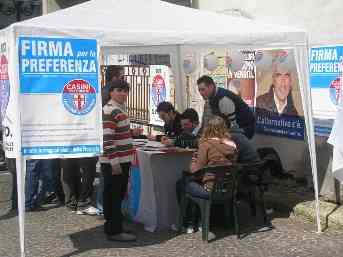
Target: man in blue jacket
x: 226, y: 104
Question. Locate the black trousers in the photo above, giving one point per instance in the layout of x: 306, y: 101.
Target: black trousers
x: 78, y: 176
x: 58, y: 188
x: 115, y: 187
x: 11, y: 164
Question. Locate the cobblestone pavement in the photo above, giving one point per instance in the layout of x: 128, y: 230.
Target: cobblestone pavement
x: 60, y: 233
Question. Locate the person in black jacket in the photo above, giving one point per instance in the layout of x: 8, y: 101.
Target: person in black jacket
x: 226, y: 104
x: 190, y: 128
x: 171, y: 118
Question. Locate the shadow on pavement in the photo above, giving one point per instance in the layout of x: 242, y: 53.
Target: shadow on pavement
x: 248, y: 224
x: 94, y: 238
x: 9, y: 215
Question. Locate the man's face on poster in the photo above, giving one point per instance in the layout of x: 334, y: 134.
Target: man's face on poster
x: 282, y: 82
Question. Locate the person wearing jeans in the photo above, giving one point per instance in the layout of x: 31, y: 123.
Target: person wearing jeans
x: 55, y: 194
x: 78, y: 177
x: 99, y: 195
x: 37, y: 170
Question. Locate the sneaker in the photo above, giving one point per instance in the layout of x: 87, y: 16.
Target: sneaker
x: 99, y: 212
x: 84, y: 203
x: 51, y: 198
x: 52, y: 203
x: 122, y: 237
x: 35, y: 208
x: 190, y: 230
x: 72, y: 207
x: 174, y: 227
x: 269, y: 211
x: 87, y: 211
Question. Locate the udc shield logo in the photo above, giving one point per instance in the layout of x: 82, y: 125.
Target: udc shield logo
x: 158, y: 90
x: 79, y: 97
x: 4, y: 86
x: 335, y: 88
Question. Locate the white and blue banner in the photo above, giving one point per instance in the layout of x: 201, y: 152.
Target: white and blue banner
x: 325, y: 80
x: 8, y: 99
x: 159, y: 91
x: 60, y: 101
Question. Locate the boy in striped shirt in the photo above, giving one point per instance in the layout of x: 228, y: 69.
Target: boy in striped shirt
x: 116, y: 160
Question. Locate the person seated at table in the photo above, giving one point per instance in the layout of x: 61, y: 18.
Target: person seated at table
x: 171, y: 118
x: 190, y: 128
x: 215, y: 148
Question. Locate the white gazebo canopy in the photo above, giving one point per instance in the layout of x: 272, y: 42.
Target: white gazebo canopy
x: 156, y: 27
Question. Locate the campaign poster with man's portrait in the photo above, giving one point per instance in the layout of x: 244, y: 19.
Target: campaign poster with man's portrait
x: 278, y: 105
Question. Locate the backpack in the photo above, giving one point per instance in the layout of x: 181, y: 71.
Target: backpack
x: 273, y: 162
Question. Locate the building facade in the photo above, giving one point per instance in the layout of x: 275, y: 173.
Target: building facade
x: 17, y: 10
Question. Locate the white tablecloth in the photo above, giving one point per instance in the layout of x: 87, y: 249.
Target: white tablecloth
x: 158, y: 207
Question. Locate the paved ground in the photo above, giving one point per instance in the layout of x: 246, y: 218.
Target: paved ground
x: 59, y: 233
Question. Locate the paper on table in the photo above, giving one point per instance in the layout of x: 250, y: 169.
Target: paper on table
x: 140, y: 141
x: 154, y: 144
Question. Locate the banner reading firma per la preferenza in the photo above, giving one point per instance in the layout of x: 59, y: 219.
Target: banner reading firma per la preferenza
x: 325, y: 80
x: 60, y: 101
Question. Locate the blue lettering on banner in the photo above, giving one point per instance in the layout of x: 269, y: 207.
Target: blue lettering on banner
x: 66, y: 69
x: 325, y: 65
x: 76, y: 149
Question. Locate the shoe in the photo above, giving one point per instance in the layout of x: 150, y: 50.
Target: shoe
x: 71, y: 207
x: 174, y: 227
x: 50, y: 198
x: 84, y: 203
x: 126, y: 227
x: 52, y: 203
x: 122, y: 237
x: 88, y: 211
x: 190, y: 230
x: 99, y: 212
x: 3, y: 166
x: 127, y: 230
x: 34, y: 209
